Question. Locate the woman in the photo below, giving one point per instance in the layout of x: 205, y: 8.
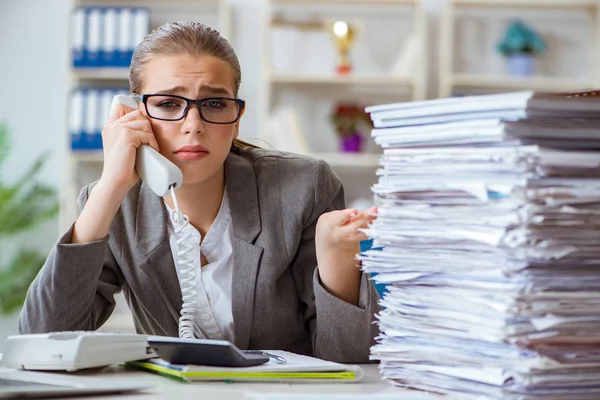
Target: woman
x: 260, y: 222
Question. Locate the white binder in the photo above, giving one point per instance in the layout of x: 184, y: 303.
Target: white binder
x: 78, y: 22
x: 141, y: 26
x: 91, y: 118
x: 76, y: 118
x: 125, y: 18
x: 94, y: 36
x: 109, y: 37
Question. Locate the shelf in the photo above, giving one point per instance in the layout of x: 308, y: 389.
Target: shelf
x: 101, y: 73
x: 515, y: 83
x: 348, y: 2
x: 545, y: 4
x: 304, y: 79
x: 135, y: 2
x: 349, y: 159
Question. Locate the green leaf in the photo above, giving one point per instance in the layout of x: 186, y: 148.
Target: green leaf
x: 520, y: 38
x: 16, y: 278
x: 24, y: 204
x: 4, y: 143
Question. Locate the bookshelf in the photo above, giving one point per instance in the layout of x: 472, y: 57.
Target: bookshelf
x: 298, y: 73
x: 84, y: 167
x: 578, y: 12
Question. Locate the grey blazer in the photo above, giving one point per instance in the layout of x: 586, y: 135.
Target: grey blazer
x: 278, y: 302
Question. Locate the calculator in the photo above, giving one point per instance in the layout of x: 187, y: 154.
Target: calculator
x: 217, y: 353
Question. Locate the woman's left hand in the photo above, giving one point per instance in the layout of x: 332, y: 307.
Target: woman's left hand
x: 337, y: 241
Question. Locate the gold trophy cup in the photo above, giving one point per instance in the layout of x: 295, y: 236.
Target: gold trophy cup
x: 343, y: 36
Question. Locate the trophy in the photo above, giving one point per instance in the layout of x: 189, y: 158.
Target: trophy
x: 343, y: 36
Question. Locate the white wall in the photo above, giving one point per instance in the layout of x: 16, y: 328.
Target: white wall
x: 33, y: 57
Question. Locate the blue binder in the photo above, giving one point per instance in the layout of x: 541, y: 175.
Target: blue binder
x: 78, y: 40
x: 77, y: 111
x: 368, y: 245
x: 93, y: 41
x: 107, y: 36
x: 110, y: 36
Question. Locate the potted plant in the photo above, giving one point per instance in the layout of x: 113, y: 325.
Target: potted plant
x: 521, y: 45
x: 350, y: 121
x: 24, y: 205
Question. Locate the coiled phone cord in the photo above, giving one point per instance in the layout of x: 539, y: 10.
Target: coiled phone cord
x: 185, y: 261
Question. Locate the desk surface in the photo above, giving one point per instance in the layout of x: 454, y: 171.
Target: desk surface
x: 166, y: 388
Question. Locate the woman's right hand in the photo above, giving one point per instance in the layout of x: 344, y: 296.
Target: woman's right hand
x: 126, y: 130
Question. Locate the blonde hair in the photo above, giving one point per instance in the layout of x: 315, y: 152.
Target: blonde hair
x: 181, y: 38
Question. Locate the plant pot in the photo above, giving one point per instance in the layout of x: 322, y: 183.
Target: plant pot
x: 520, y: 64
x: 352, y: 143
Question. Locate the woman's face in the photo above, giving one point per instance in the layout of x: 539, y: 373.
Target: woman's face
x: 197, y: 147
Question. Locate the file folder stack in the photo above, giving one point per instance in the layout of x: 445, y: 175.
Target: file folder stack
x: 489, y: 223
x: 89, y: 111
x: 106, y: 36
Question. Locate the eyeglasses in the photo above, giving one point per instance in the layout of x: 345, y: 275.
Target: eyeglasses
x: 215, y: 110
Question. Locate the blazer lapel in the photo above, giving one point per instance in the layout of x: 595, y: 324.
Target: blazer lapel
x: 154, y: 251
x: 240, y: 182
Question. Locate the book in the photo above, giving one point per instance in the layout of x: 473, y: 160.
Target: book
x: 298, y: 368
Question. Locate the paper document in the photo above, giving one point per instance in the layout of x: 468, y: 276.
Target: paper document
x: 408, y: 395
x: 488, y: 237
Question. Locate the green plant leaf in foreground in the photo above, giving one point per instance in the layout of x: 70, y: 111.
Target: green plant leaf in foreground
x: 24, y: 204
x: 16, y: 277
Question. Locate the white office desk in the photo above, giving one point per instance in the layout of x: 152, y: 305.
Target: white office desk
x: 167, y: 388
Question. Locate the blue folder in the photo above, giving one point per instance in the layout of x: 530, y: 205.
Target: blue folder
x: 368, y: 245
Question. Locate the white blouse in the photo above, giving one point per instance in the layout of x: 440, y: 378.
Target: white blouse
x: 214, y: 317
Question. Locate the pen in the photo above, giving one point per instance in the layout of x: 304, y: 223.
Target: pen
x: 274, y: 357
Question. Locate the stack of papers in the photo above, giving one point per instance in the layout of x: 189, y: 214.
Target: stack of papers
x: 297, y: 368
x: 490, y: 236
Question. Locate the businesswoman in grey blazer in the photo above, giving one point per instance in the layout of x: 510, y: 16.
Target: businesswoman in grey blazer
x: 272, y: 245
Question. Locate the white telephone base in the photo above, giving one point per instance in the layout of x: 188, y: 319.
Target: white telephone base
x: 72, y: 351
x: 159, y: 173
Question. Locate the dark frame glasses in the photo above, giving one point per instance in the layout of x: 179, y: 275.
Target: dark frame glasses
x: 241, y: 104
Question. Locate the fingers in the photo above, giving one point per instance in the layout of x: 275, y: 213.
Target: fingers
x: 119, y: 111
x: 138, y: 125
x: 133, y: 128
x: 340, y: 217
x: 362, y: 218
x: 139, y: 137
x: 353, y: 231
x: 130, y: 116
x: 359, y: 220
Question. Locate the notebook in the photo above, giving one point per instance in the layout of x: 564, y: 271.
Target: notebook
x: 297, y: 368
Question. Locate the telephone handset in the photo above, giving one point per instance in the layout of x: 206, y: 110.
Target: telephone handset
x: 159, y: 173
x: 162, y: 176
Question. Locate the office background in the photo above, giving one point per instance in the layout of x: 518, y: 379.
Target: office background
x: 36, y: 80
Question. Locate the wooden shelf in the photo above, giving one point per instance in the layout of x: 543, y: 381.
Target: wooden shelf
x: 541, y: 4
x: 514, y: 83
x: 101, y: 73
x: 304, y: 79
x: 349, y: 159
